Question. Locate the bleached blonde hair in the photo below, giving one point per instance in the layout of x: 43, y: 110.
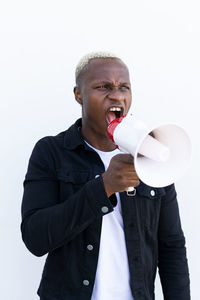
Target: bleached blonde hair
x: 84, y: 61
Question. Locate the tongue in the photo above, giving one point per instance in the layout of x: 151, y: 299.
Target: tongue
x: 111, y: 116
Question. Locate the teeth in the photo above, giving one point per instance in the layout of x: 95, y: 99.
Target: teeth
x: 115, y: 109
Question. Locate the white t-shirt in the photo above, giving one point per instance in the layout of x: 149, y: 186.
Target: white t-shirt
x: 112, y: 275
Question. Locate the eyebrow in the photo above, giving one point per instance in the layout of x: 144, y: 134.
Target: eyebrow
x: 110, y: 83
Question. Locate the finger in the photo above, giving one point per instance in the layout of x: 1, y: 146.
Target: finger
x: 131, y: 181
x: 134, y: 183
x: 124, y: 158
x: 129, y: 173
x: 129, y: 168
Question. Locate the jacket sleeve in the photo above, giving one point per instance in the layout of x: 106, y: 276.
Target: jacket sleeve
x: 46, y: 223
x: 172, y: 261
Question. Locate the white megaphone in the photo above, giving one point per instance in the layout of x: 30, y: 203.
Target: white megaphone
x: 161, y: 153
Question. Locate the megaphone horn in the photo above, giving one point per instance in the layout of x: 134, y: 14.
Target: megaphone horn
x: 161, y: 153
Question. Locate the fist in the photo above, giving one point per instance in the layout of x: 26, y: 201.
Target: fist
x: 120, y: 174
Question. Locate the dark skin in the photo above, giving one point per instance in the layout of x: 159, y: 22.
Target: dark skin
x: 103, y: 85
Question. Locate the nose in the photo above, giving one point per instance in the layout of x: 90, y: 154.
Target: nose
x: 116, y: 94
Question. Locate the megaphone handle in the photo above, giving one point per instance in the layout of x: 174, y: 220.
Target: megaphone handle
x: 131, y: 191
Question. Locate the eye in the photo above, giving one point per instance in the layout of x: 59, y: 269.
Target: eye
x: 125, y: 87
x: 102, y: 87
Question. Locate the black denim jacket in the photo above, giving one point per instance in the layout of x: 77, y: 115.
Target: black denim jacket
x: 62, y: 209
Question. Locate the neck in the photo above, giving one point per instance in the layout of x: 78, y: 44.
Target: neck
x: 99, y: 142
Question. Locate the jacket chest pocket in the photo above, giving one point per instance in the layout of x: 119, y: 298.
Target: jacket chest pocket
x: 149, y: 201
x: 71, y: 182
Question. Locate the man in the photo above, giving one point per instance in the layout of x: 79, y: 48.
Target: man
x: 102, y: 244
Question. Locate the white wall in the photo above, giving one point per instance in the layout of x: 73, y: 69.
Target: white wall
x: 41, y: 42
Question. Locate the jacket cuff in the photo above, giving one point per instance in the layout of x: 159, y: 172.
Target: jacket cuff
x: 99, y: 201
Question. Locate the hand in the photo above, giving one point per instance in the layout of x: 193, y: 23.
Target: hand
x: 120, y: 174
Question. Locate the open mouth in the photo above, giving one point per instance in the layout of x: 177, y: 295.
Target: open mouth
x: 114, y: 112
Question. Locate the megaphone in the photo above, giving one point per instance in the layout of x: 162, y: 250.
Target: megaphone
x: 161, y: 153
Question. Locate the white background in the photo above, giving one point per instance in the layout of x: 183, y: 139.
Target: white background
x: 40, y: 43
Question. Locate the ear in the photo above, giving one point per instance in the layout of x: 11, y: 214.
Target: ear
x: 77, y: 94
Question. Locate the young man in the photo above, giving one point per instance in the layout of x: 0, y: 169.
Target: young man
x: 102, y: 244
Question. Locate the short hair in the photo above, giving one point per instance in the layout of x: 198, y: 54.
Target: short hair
x: 84, y: 61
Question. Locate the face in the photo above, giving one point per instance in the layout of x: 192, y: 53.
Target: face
x: 105, y: 94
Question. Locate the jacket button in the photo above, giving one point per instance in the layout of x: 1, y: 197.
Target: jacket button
x: 104, y: 209
x: 152, y: 193
x: 97, y: 176
x: 90, y: 247
x: 86, y: 282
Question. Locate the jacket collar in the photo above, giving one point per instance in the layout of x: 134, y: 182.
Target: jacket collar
x: 73, y: 137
